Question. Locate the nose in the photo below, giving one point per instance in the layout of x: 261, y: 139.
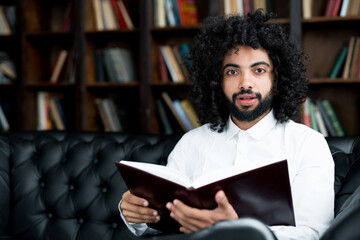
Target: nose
x: 245, y: 81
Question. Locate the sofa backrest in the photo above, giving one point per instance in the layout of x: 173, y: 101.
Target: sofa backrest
x: 4, y: 186
x: 66, y: 185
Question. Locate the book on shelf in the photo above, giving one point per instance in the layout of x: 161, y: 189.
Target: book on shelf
x: 330, y: 112
x: 313, y: 120
x: 339, y: 63
x: 5, y: 27
x: 43, y: 114
x: 329, y: 127
x: 126, y: 15
x: 58, y: 66
x: 159, y: 13
x: 182, y: 115
x: 169, y: 103
x: 99, y: 23
x: 333, y: 8
x: 349, y: 57
x: 70, y: 67
x: 354, y: 8
x: 188, y: 12
x: 180, y: 61
x: 118, y: 64
x: 170, y: 10
x: 159, y: 185
x: 118, y: 15
x: 8, y: 71
x: 163, y: 117
x: 344, y: 8
x: 4, y: 124
x: 175, y: 13
x: 161, y: 66
x: 190, y: 112
x: 55, y: 114
x: 320, y: 121
x: 320, y: 116
x: 67, y: 24
x: 306, y: 112
x: 355, y: 59
x: 99, y: 66
x: 102, y: 115
x: 10, y: 14
x: 307, y: 7
x: 172, y: 64
x: 108, y: 15
x: 50, y: 113
x: 111, y: 117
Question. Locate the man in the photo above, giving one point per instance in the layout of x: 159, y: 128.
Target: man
x: 249, y: 80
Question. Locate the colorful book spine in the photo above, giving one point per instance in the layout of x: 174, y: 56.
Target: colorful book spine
x: 182, y: 114
x: 339, y: 63
x: 333, y: 117
x: 327, y: 122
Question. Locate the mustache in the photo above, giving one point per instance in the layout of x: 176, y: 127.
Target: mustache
x: 249, y: 91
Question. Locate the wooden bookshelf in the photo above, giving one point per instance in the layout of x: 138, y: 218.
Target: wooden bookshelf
x: 322, y: 39
x: 40, y: 36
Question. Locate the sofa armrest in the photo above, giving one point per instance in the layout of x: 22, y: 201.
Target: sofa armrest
x: 345, y: 224
x: 239, y: 229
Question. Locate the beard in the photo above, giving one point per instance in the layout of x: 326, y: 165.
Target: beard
x: 249, y: 115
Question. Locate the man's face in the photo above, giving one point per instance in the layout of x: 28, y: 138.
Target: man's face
x: 247, y: 83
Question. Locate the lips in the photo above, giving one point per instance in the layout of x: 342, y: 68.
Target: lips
x: 246, y: 99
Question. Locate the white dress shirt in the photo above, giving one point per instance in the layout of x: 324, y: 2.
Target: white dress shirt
x: 311, y: 167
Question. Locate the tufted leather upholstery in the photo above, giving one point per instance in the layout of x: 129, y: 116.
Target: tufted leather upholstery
x: 66, y: 185
x: 57, y: 185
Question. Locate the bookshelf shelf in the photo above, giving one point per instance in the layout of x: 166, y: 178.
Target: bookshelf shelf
x: 320, y: 81
x: 113, y: 85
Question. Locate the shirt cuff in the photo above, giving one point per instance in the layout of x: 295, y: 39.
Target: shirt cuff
x: 137, y: 229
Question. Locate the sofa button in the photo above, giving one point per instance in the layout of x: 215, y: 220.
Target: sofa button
x: 71, y: 187
x: 96, y: 160
x: 80, y: 220
x: 50, y: 215
x: 104, y: 189
x: 114, y: 225
x: 42, y: 184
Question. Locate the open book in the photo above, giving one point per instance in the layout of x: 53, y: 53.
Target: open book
x: 263, y: 193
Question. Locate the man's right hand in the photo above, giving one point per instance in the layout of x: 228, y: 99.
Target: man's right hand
x: 136, y: 210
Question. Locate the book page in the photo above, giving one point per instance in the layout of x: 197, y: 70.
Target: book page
x: 214, y: 176
x: 161, y: 171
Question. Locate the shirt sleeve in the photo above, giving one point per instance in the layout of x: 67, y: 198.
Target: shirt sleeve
x: 312, y: 186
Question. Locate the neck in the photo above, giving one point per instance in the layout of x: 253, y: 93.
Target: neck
x: 245, y: 125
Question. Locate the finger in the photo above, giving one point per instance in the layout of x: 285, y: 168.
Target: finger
x: 129, y: 197
x: 189, y: 218
x: 185, y: 230
x: 142, y: 220
x: 224, y: 207
x: 126, y: 206
x: 221, y: 199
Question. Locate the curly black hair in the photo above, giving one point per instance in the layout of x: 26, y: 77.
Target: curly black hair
x: 223, y: 33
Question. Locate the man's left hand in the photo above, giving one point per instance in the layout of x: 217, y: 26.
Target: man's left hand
x: 193, y: 219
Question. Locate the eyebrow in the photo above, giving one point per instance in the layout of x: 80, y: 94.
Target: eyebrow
x: 252, y: 65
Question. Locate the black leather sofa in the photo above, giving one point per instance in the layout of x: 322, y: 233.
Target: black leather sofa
x: 57, y: 185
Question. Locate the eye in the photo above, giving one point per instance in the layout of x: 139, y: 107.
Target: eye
x: 231, y: 72
x: 260, y: 70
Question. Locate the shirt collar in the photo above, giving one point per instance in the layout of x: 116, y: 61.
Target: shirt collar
x: 257, y: 131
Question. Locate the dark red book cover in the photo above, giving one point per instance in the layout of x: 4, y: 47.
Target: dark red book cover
x: 161, y: 66
x: 263, y: 193
x: 118, y: 14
